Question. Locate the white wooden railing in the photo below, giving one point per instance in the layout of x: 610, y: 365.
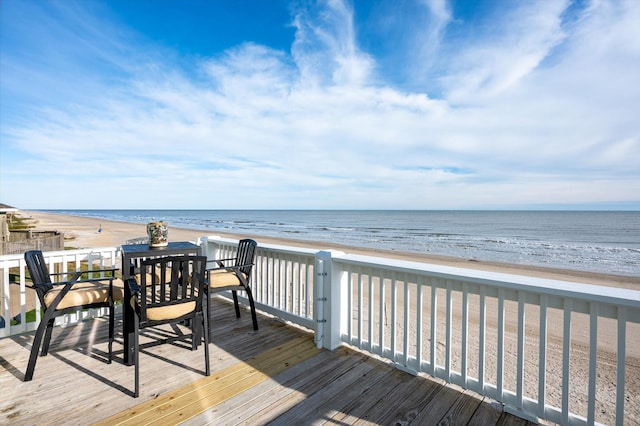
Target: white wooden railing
x: 13, y: 282
x: 549, y: 350
x: 282, y: 279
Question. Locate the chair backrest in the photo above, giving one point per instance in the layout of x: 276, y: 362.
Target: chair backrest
x: 172, y: 280
x: 39, y: 274
x: 245, y: 255
x: 37, y: 268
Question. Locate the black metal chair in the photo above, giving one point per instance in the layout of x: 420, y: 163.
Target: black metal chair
x: 170, y: 291
x: 63, y: 297
x: 235, y: 277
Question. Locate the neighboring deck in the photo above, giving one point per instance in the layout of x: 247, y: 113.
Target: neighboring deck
x: 275, y: 375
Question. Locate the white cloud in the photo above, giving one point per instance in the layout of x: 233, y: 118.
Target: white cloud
x: 542, y: 111
x: 508, y: 50
x: 325, y: 49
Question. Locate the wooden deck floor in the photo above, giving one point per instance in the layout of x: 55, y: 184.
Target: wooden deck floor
x: 273, y: 376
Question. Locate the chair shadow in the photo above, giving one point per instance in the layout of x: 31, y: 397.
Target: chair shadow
x: 8, y: 366
x: 89, y: 372
x: 66, y: 339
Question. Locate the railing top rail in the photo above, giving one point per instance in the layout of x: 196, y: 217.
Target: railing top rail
x: 11, y: 257
x: 12, y: 260
x: 271, y: 247
x: 589, y: 292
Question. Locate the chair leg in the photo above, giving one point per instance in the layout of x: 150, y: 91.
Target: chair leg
x: 207, y: 308
x: 235, y: 301
x: 33, y: 357
x: 136, y: 357
x: 253, y: 309
x: 112, y: 311
x: 196, y: 330
x: 205, y: 335
x: 43, y: 329
x: 47, y: 337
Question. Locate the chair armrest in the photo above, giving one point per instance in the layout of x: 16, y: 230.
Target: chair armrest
x: 77, y: 274
x: 134, y: 289
x: 65, y: 289
x: 112, y: 270
x: 26, y: 284
x: 215, y: 268
x: 88, y: 280
x: 207, y: 272
x: 74, y: 276
x: 133, y: 286
x: 232, y: 268
x: 229, y: 268
x: 220, y: 262
x: 237, y: 269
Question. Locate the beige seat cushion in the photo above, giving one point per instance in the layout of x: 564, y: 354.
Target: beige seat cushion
x: 162, y: 313
x: 219, y: 278
x: 150, y: 279
x: 118, y: 289
x: 85, y: 293
x: 138, y: 278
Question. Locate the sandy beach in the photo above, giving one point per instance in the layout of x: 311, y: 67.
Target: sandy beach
x: 81, y: 232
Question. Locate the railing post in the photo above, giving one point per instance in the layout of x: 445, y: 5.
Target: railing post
x: 330, y: 300
x: 209, y: 247
x: 319, y: 298
x: 5, y: 321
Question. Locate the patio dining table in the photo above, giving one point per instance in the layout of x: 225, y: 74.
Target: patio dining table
x: 132, y: 254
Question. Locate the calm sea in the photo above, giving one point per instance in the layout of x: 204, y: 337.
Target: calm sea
x: 606, y: 242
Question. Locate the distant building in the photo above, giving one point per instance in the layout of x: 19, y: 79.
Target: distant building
x: 19, y: 241
x: 4, y: 208
x: 4, y: 226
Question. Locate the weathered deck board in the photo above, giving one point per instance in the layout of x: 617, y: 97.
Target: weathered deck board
x: 194, y: 398
x: 462, y: 409
x: 315, y: 384
x: 273, y: 376
x: 265, y: 396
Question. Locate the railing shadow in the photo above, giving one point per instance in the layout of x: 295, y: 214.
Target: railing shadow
x: 341, y: 386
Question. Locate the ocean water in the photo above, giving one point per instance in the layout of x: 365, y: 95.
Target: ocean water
x: 594, y: 241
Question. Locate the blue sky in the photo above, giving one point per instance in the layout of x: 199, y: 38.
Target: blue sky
x: 393, y: 104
